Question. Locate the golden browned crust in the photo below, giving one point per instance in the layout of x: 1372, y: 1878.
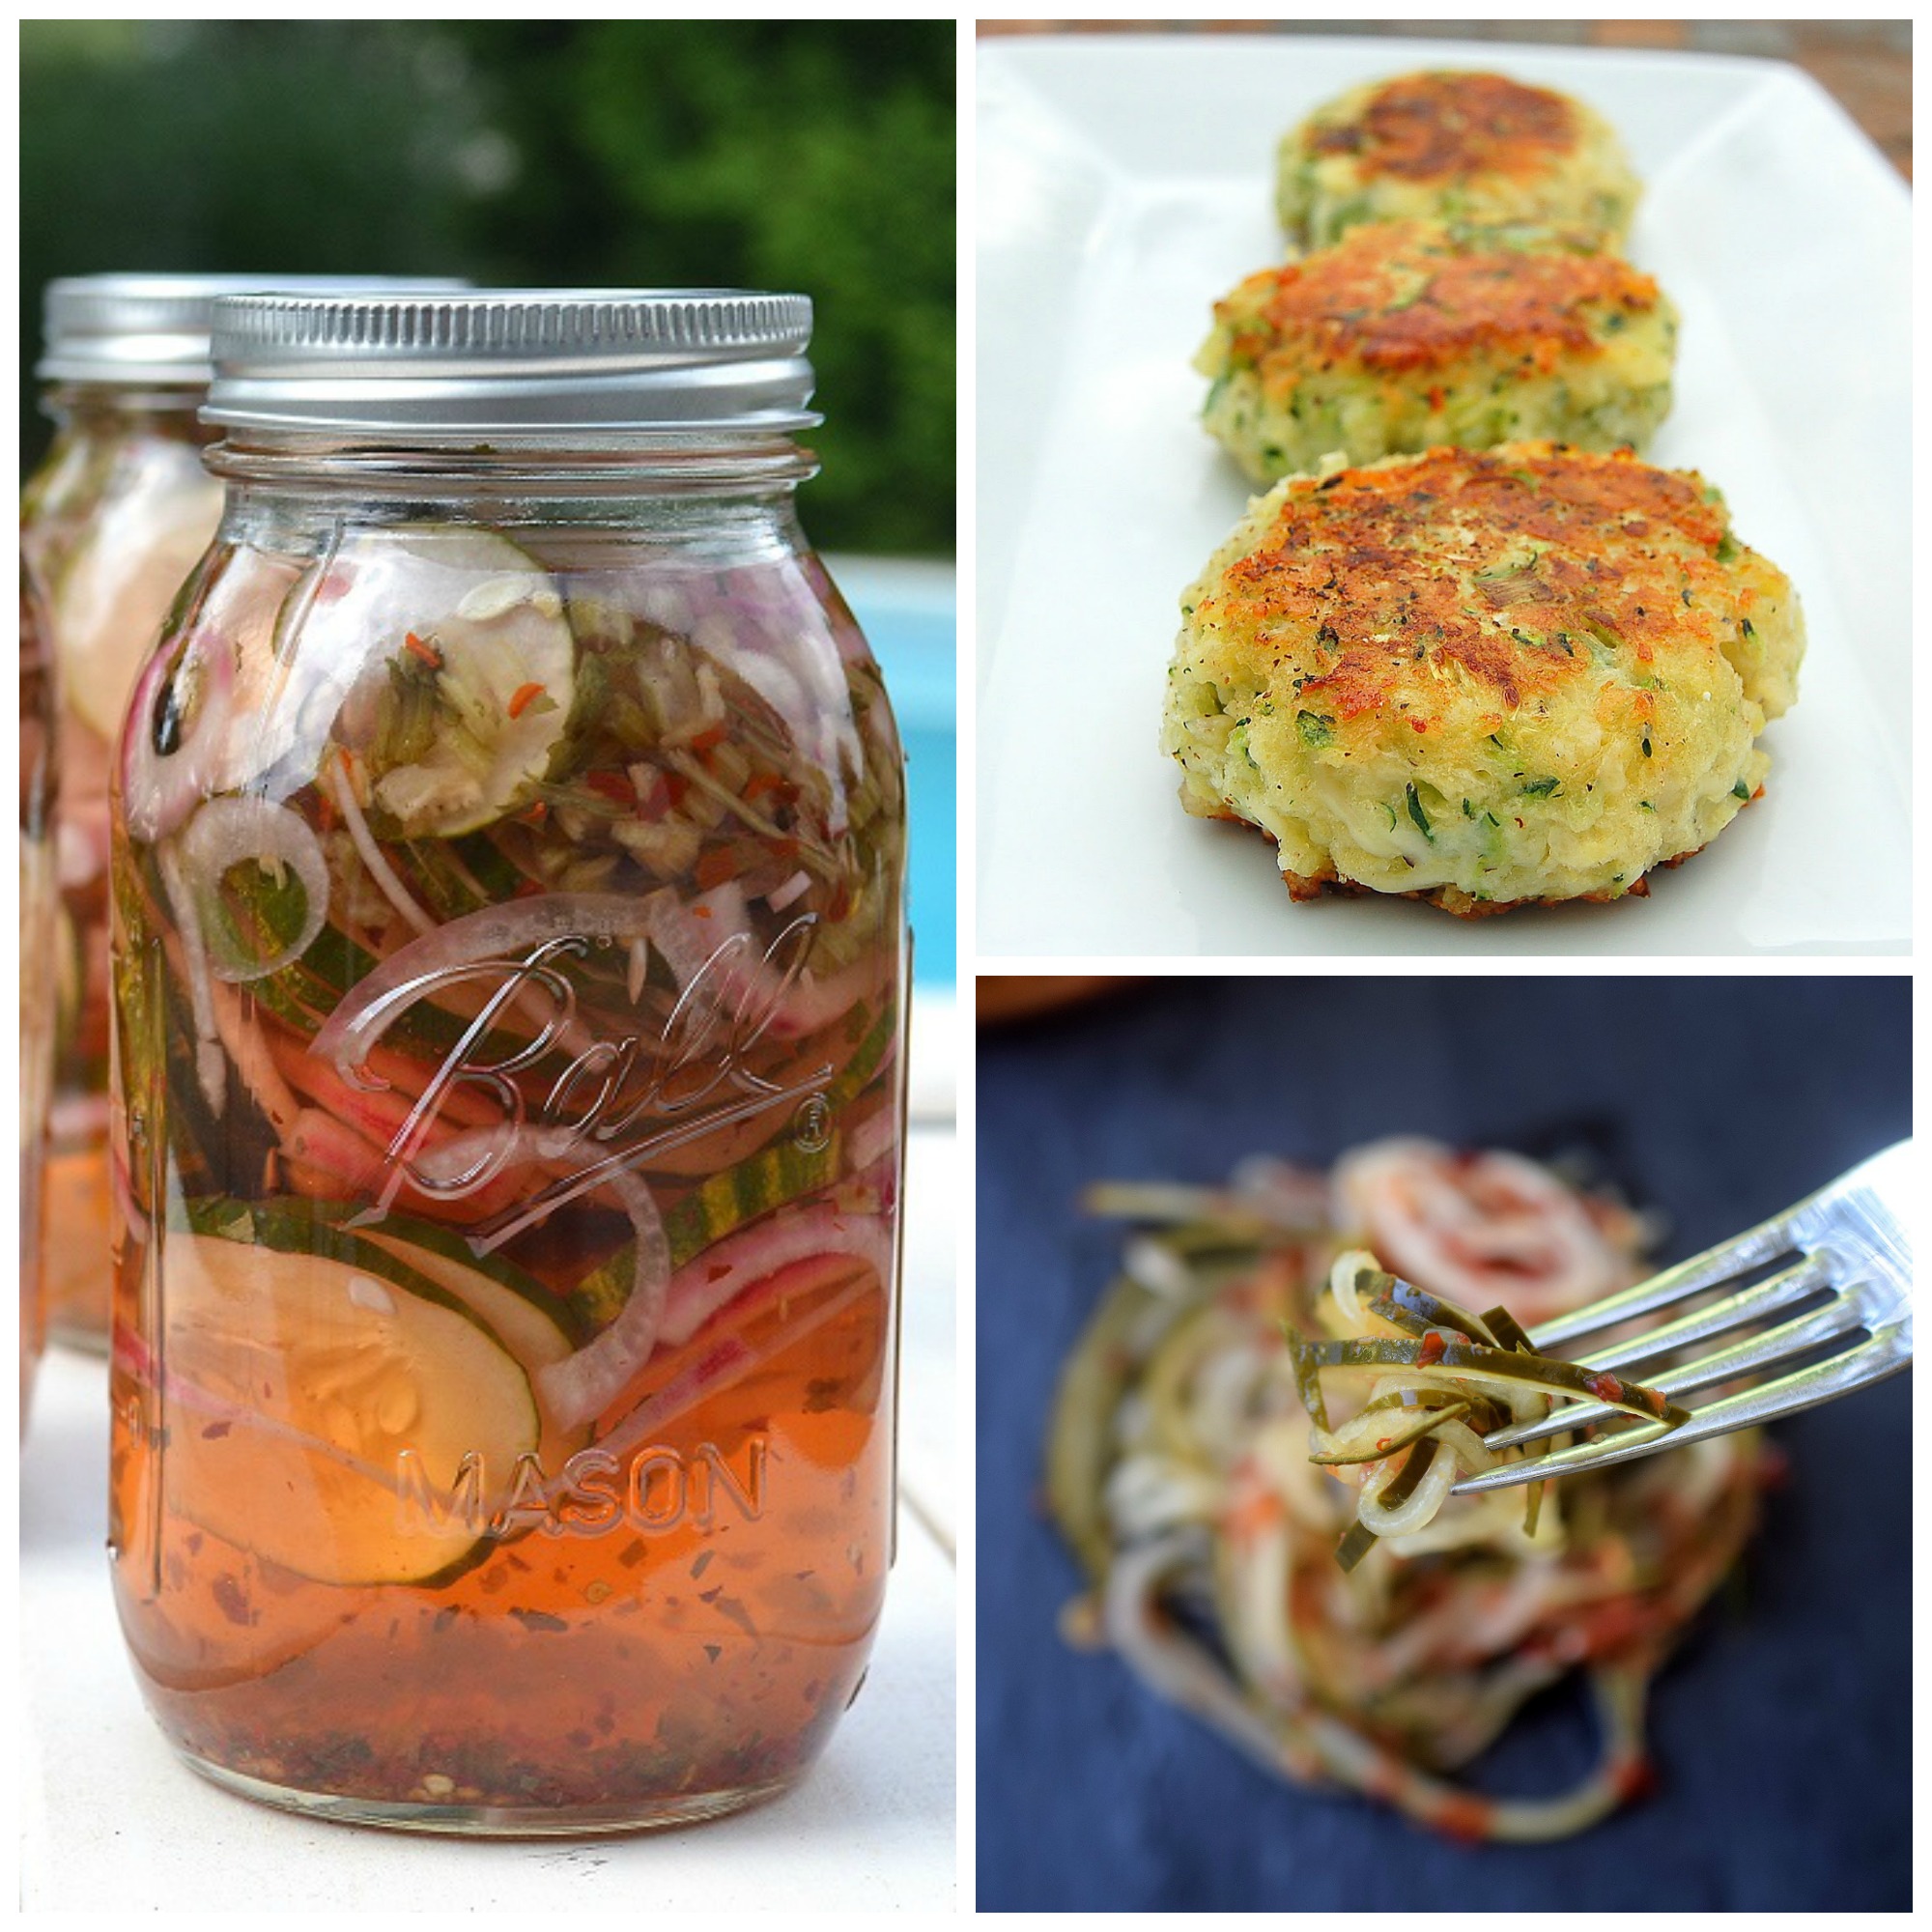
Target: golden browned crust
x: 1398, y: 296
x: 1374, y: 574
x: 1446, y: 126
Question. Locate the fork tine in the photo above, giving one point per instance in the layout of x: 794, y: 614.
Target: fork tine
x: 1742, y: 1359
x: 1763, y: 1244
x: 1750, y: 1304
x: 1882, y: 1354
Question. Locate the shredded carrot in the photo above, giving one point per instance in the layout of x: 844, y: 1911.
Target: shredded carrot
x: 427, y: 653
x: 523, y: 697
x: 709, y: 739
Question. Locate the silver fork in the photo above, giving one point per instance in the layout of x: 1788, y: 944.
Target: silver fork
x: 1851, y: 1238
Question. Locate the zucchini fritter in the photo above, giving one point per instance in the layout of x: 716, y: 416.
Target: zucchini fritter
x: 1470, y: 147
x: 1405, y: 336
x: 1482, y: 678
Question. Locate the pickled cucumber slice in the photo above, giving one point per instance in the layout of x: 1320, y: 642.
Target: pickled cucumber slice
x: 531, y: 1321
x: 296, y: 1385
x: 457, y: 668
x: 516, y: 1315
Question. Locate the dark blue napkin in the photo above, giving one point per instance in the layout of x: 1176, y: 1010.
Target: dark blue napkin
x: 1781, y: 1729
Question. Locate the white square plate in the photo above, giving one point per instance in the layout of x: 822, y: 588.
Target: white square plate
x: 1125, y: 183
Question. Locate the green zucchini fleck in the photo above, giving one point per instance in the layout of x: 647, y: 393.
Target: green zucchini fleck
x: 1421, y: 818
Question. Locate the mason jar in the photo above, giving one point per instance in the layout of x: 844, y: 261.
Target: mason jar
x: 111, y: 523
x: 37, y: 957
x: 510, y: 982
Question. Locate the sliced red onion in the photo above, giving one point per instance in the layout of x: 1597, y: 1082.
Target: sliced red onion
x: 230, y: 832
x: 719, y: 1369
x: 584, y: 1384
x: 1478, y: 1229
x: 711, y: 1279
x: 712, y: 936
x: 159, y: 790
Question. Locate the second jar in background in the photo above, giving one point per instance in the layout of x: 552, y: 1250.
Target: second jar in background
x: 111, y: 524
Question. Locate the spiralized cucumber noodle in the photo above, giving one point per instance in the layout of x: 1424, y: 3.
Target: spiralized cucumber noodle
x: 1254, y: 1443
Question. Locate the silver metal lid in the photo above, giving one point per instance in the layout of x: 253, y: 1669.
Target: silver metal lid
x: 155, y: 328
x: 518, y: 364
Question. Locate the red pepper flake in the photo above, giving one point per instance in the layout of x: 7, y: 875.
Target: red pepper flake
x: 700, y: 912
x: 1605, y: 1387
x: 523, y: 697
x: 677, y: 784
x: 427, y: 653
x: 1465, y: 1817
x: 1633, y: 1779
x: 537, y: 812
x: 709, y: 739
x: 1434, y: 1347
x: 1436, y: 398
x: 1417, y: 724
x: 758, y: 784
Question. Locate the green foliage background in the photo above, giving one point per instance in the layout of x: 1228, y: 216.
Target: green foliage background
x: 798, y: 154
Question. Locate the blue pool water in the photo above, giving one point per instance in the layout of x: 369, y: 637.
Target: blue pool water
x: 909, y: 613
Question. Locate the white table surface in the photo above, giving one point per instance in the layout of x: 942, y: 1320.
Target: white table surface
x: 111, y: 1820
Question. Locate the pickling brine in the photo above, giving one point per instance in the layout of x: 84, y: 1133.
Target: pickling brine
x: 510, y: 973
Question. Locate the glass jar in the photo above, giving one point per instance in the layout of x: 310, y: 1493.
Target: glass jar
x: 111, y: 524
x: 510, y: 982
x: 37, y: 972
